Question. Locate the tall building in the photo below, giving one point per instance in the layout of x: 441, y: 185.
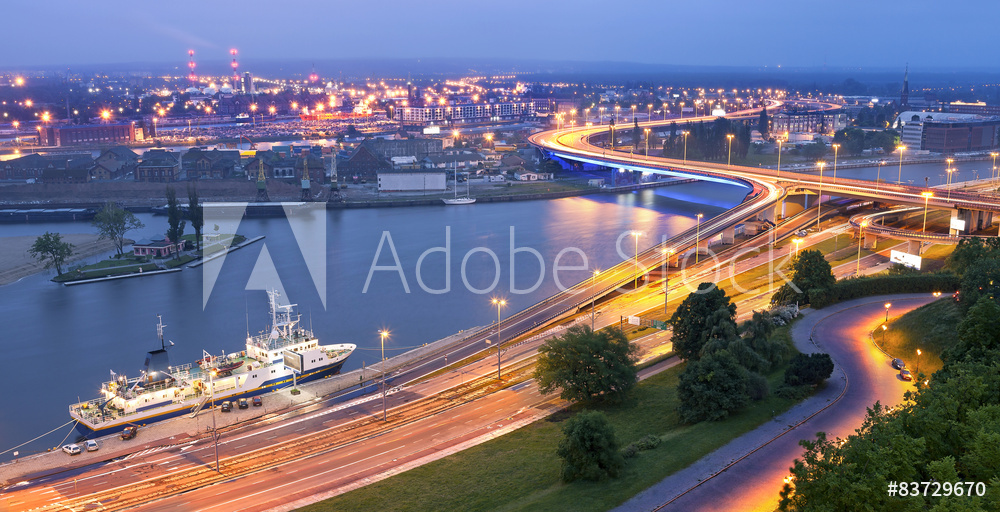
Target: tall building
x: 248, y: 83
x: 904, y: 97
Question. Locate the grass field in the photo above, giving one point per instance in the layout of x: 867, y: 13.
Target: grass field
x: 520, y: 471
x: 931, y: 328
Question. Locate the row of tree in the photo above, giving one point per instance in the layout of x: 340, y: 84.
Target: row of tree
x: 114, y: 222
x: 853, y: 141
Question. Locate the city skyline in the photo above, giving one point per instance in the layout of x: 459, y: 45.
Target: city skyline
x: 786, y: 34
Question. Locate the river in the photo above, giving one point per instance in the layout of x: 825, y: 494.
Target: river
x: 60, y: 342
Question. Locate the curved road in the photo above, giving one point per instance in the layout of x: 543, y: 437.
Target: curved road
x: 753, y: 483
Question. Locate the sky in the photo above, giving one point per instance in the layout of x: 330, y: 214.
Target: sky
x: 745, y: 33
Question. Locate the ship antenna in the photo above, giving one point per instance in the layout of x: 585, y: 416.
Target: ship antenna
x: 159, y: 330
x: 246, y: 308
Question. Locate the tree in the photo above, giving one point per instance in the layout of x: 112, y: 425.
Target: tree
x: 175, y: 218
x: 812, y: 278
x: 113, y: 222
x: 851, y: 140
x: 763, y: 124
x: 814, y: 150
x: 589, y: 449
x: 978, y: 333
x: 196, y: 215
x: 50, y: 249
x: 808, y: 369
x: 971, y: 250
x: 588, y: 365
x: 711, y: 388
x: 690, y: 321
x: 981, y: 279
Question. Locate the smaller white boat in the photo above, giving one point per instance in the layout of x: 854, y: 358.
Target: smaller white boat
x: 461, y: 200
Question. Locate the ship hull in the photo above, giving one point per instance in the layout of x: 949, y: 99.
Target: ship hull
x: 174, y: 410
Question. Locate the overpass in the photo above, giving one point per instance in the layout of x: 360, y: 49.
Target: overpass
x: 575, y: 144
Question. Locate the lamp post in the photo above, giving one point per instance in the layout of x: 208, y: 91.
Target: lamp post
x: 685, y: 134
x: 917, y: 369
x: 819, y: 199
x: 635, y: 283
x: 780, y: 141
x: 647, y: 142
x: 215, y: 432
x: 682, y: 110
x: 861, y: 241
x: 697, y: 240
x: 383, y: 334
x: 796, y: 242
x: 593, y: 296
x: 666, y: 278
x: 878, y: 174
x: 899, y: 180
x: 499, y: 303
x: 884, y: 328
x: 836, y: 150
x: 927, y: 196
x: 994, y: 155
x: 887, y: 306
x: 665, y: 115
x: 600, y: 112
x: 949, y: 171
x: 618, y: 108
x: 729, y: 162
x: 649, y: 112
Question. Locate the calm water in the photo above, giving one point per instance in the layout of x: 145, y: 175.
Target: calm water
x: 60, y: 342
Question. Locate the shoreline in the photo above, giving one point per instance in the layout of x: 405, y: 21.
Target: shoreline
x: 16, y: 263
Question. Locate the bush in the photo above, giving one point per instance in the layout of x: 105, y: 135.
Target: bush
x: 648, y: 442
x: 630, y: 451
x: 590, y: 449
x: 808, y: 369
x: 793, y: 392
x: 887, y: 284
x: 757, y: 387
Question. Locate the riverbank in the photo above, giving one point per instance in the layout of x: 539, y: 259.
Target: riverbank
x: 16, y: 263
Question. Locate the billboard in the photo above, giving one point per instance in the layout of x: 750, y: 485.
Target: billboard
x: 904, y: 258
x: 634, y: 320
x: 293, y: 360
x: 958, y: 224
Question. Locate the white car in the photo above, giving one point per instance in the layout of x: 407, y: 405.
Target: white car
x: 91, y: 445
x: 72, y: 449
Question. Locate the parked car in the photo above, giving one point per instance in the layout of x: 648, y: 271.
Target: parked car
x: 898, y: 364
x: 129, y: 432
x: 801, y: 232
x: 905, y: 375
x: 91, y: 445
x: 257, y: 402
x: 227, y: 406
x: 72, y: 449
x: 243, y: 404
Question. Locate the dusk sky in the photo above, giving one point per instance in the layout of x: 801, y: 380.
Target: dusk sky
x: 883, y: 33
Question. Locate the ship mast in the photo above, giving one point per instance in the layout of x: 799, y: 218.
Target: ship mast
x: 159, y: 331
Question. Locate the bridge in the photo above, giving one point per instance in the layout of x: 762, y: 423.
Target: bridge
x: 772, y: 193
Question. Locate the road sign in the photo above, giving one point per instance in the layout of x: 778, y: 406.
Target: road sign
x: 634, y: 320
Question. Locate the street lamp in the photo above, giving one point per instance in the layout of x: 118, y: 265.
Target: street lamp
x: 618, y: 109
x: 685, y: 134
x: 383, y: 334
x: 666, y: 277
x: 878, y: 174
x: 927, y: 196
x: 994, y: 155
x: 861, y: 241
x: 917, y: 369
x: 665, y: 114
x: 649, y: 112
x: 836, y: 149
x: 901, y: 149
x: 499, y: 303
x: 887, y: 306
x: 647, y: 143
x: 819, y: 199
x: 636, y: 235
x: 593, y: 296
x: 729, y: 163
x: 215, y: 432
x: 600, y: 112
x: 697, y: 240
x: 796, y: 242
x: 949, y: 171
x: 780, y: 141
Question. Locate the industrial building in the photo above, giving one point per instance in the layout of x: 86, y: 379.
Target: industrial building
x: 948, y: 133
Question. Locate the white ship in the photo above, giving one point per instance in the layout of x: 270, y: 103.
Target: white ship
x: 273, y: 359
